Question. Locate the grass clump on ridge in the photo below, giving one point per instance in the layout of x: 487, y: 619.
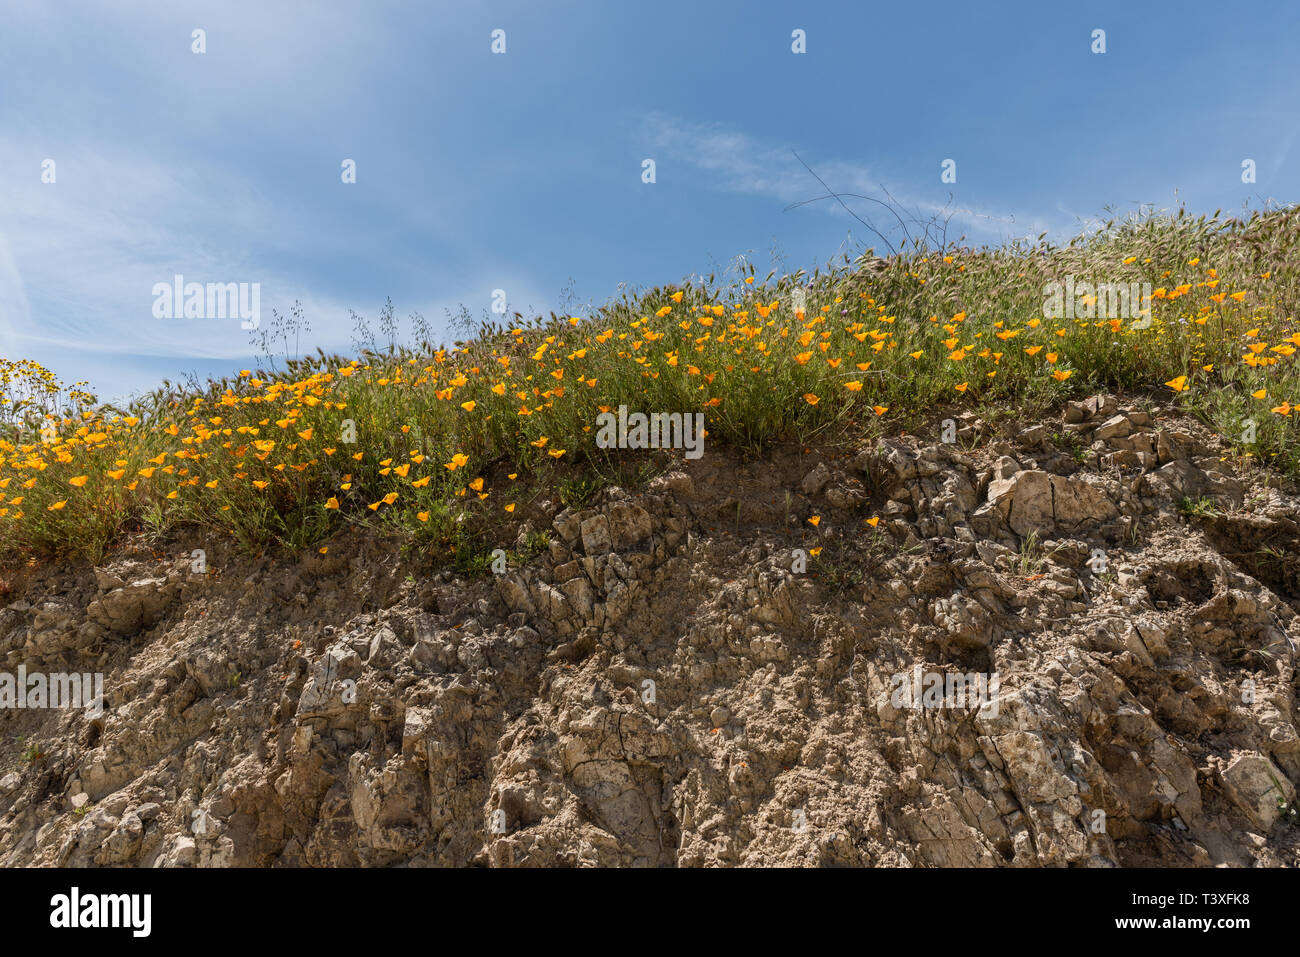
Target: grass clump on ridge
x: 433, y: 444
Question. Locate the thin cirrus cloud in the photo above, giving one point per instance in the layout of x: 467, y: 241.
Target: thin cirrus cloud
x: 191, y: 175
x: 79, y: 259
x: 732, y: 160
x: 89, y: 247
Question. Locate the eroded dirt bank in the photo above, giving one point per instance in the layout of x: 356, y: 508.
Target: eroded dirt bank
x: 662, y: 686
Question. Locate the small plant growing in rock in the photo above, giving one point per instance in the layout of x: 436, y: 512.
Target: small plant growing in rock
x: 1290, y: 812
x: 468, y: 561
x: 1030, y: 559
x: 534, y: 544
x: 1132, y: 533
x: 834, y: 573
x: 1072, y: 445
x: 1201, y: 507
x: 575, y: 492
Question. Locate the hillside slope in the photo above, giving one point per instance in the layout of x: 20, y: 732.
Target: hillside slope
x: 666, y: 683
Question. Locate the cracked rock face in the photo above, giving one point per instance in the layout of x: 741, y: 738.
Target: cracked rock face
x: 1030, y: 658
x: 1036, y: 501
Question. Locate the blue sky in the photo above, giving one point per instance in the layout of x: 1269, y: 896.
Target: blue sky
x: 522, y: 171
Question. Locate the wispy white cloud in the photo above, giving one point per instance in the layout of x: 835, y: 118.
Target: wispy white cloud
x: 739, y: 162
x: 88, y: 248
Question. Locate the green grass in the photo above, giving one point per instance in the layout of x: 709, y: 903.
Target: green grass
x: 1200, y: 507
x: 434, y: 445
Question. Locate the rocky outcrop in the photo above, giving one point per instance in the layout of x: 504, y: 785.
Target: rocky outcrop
x: 1017, y: 649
